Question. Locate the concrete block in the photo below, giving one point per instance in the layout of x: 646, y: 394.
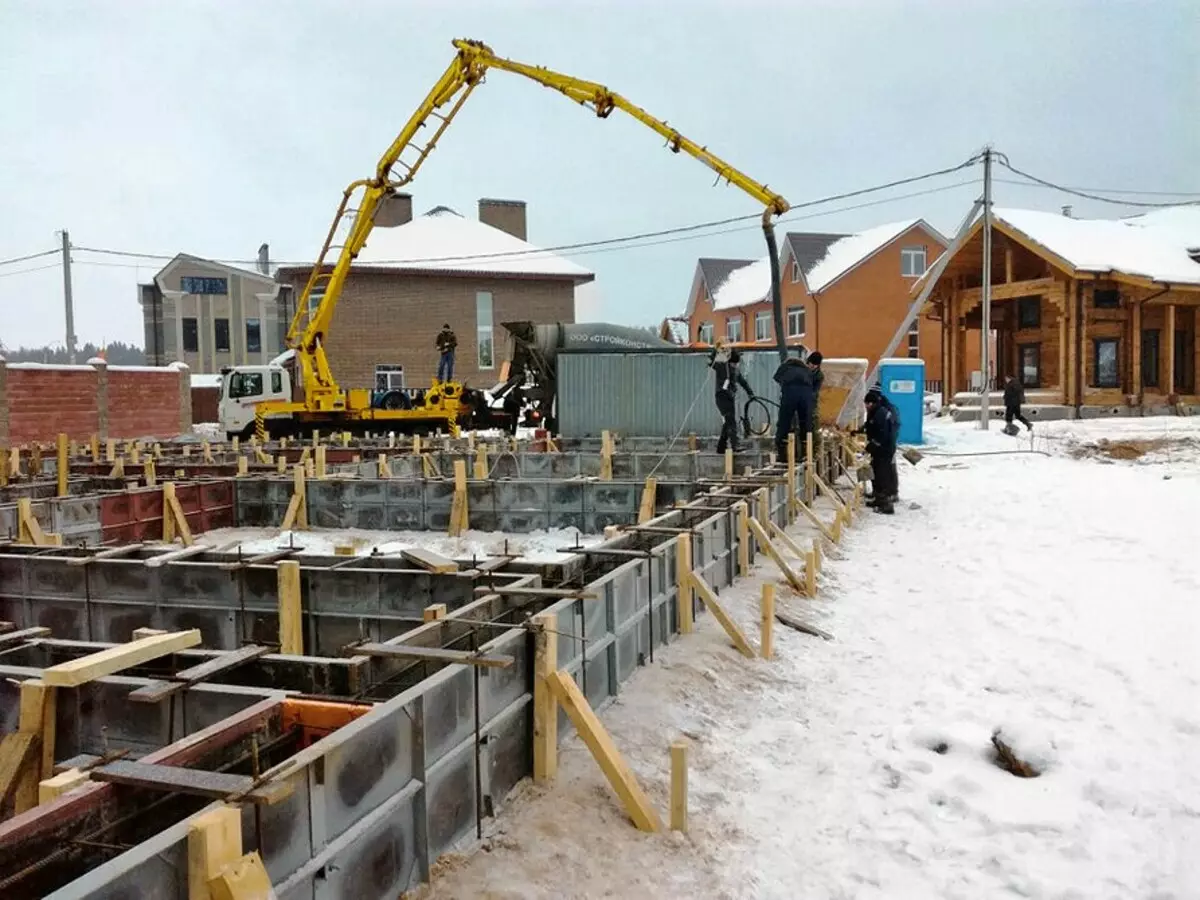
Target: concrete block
x: 537, y: 465
x: 406, y: 518
x: 522, y: 522
x: 366, y: 492
x: 523, y: 495
x: 569, y: 465
x: 404, y: 493
x: 371, y: 516
x: 611, y: 496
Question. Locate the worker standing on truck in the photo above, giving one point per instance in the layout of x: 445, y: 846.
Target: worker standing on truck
x: 795, y: 380
x: 446, y: 345
x: 726, y: 364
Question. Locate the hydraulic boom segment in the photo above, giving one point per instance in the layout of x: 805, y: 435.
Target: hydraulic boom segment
x: 323, y: 398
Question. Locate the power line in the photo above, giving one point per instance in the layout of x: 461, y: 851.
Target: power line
x: 583, y: 245
x: 17, y: 259
x: 34, y: 269
x: 1103, y: 190
x: 1003, y: 160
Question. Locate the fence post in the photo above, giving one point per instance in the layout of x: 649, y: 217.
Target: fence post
x: 101, y: 367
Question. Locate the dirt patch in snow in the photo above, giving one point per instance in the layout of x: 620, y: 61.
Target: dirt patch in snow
x: 1130, y: 448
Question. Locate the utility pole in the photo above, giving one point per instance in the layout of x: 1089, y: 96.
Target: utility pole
x: 66, y: 267
x: 985, y: 352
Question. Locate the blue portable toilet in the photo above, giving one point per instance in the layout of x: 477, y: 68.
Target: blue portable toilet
x: 903, y: 382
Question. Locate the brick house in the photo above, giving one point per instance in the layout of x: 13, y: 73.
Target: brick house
x: 416, y: 274
x: 844, y: 294
x: 1094, y: 316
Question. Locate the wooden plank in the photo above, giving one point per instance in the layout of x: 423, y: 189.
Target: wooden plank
x: 171, y: 556
x: 772, y: 551
x: 766, y: 645
x: 809, y: 471
x: 139, y: 633
x: 791, y: 476
x: 679, y: 785
x: 291, y: 632
x: 246, y: 879
x: 174, y: 521
x: 685, y: 603
x: 116, y: 659
x: 649, y: 493
x: 110, y: 553
x: 160, y: 690
x: 63, y: 465
x: 434, y: 654
x: 812, y: 517
x: 197, y: 782
x: 25, y: 634
x: 29, y: 529
x: 604, y: 751
x: 18, y: 753
x: 545, y: 707
x: 433, y: 612
x: 50, y: 789
x: 709, y: 599
x: 429, y: 561
x: 549, y: 593
x: 260, y: 559
x: 606, y: 456
x: 784, y: 538
x: 743, y: 537
x: 459, y: 513
x: 799, y: 624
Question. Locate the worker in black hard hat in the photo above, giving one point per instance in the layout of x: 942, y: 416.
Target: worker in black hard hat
x: 725, y: 362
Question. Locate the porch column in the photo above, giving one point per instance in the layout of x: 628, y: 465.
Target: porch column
x: 1084, y: 377
x: 1136, y: 352
x: 1062, y: 349
x: 945, y: 350
x: 1170, y: 350
x: 951, y: 366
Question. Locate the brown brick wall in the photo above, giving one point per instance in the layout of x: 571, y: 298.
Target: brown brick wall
x: 44, y: 402
x: 393, y: 319
x: 143, y: 403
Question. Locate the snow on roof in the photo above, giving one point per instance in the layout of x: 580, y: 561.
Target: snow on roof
x: 442, y: 240
x: 845, y: 254
x: 1154, y: 245
x: 744, y: 286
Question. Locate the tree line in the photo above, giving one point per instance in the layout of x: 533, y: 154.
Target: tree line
x: 117, y: 353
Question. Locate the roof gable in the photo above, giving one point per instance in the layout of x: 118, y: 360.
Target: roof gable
x: 851, y: 251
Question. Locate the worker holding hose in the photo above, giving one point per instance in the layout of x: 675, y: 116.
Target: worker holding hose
x: 725, y: 362
x: 797, y: 399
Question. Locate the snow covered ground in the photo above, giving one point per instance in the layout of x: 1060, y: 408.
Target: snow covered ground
x: 1053, y: 596
x: 535, y: 547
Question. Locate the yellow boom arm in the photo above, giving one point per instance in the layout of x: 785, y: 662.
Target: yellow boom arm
x: 470, y: 65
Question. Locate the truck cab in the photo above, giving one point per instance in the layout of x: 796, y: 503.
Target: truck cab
x: 243, y: 387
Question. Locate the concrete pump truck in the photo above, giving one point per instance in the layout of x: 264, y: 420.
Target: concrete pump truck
x: 264, y: 399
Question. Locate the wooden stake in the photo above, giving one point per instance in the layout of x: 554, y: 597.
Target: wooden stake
x: 95, y: 445
x: 297, y: 512
x: 243, y: 466
x: 606, y: 456
x: 683, y: 571
x: 345, y: 439
x: 319, y: 468
x: 706, y: 595
x: 237, y: 444
x: 291, y: 634
x: 764, y: 504
x: 434, y: 612
x: 764, y: 541
x: 766, y: 647
x: 4, y: 467
x: 743, y: 538
x: 174, y: 521
x: 728, y: 464
x: 808, y: 468
x: 281, y: 464
x: 649, y: 493
x: 214, y: 844
x: 604, y: 751
x: 110, y: 450
x: 63, y: 464
x: 692, y: 442
x: 679, y: 786
x: 459, y: 514
x: 481, y: 463
x: 810, y: 571
x: 416, y: 445
x: 792, y: 512
x: 29, y: 530
x: 545, y: 707
x: 151, y: 475
x: 118, y: 469
x: 383, y: 469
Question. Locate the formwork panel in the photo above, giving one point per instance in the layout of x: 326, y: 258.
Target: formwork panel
x: 379, y: 859
x: 218, y: 626
x: 505, y: 465
x: 597, y: 686
x: 406, y: 594
x: 509, y: 752
x: 449, y: 714
x: 115, y: 622
x: 196, y: 582
x: 108, y: 721
x: 569, y: 465
x: 523, y: 522
x: 536, y: 465
x: 48, y: 578
x: 65, y: 618
x: 286, y: 842
x: 342, y: 590
x: 450, y: 800
x: 500, y: 688
x: 367, y: 765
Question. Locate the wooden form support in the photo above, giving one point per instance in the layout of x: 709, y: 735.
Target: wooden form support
x: 545, y: 707
x: 429, y: 561
x: 728, y: 464
x: 606, y: 456
x: 481, y: 463
x: 38, y: 719
x: 816, y: 520
x: 679, y: 786
x: 291, y: 632
x: 174, y: 521
x: 119, y: 658
x: 50, y: 789
x: 766, y: 643
x: 459, y: 513
x: 433, y: 612
x: 809, y: 471
x: 709, y: 599
x: 5, y: 471
x: 63, y: 465
x: 791, y: 478
x: 383, y: 467
x: 743, y: 538
x: 296, y: 516
x: 319, y: 466
x: 760, y: 534
x: 684, y: 600
x: 214, y: 845
x: 29, y: 530
x: 604, y: 751
x: 649, y: 494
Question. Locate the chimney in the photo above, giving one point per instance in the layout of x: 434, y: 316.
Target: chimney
x: 394, y: 209
x: 1067, y: 211
x: 264, y: 259
x: 507, y: 215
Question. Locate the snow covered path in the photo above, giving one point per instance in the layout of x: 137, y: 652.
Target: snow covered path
x: 1057, y: 597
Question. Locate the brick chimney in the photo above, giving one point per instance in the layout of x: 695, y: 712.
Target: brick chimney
x: 507, y: 215
x: 394, y: 209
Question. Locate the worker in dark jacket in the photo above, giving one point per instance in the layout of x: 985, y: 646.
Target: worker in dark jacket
x: 882, y: 429
x: 795, y: 380
x: 447, y: 343
x: 726, y: 365
x: 1014, y: 396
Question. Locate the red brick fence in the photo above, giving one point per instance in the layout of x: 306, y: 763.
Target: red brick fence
x: 37, y: 401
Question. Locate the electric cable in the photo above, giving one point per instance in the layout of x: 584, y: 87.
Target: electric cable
x: 34, y: 269
x: 1003, y: 160
x: 1101, y: 190
x: 17, y: 259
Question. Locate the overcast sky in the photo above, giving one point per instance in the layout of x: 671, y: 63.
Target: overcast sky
x: 210, y: 128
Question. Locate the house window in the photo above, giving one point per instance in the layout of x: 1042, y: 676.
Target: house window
x: 796, y: 273
x: 762, y: 326
x: 1029, y: 312
x: 1106, y: 298
x: 389, y: 378
x: 483, y: 330
x: 191, y: 335
x: 1150, y: 357
x: 912, y: 261
x: 1107, y: 373
x: 191, y: 284
x: 221, y: 335
x: 253, y: 336
x: 795, y: 321
x: 914, y: 339
x: 733, y: 329
x: 1184, y: 363
x: 276, y: 382
x: 314, y: 299
x: 1031, y: 365
x: 704, y: 334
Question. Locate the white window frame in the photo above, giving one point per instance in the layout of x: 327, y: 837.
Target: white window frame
x: 800, y: 314
x: 733, y: 324
x: 797, y: 275
x: 762, y: 327
x: 393, y: 377
x: 908, y: 256
x: 485, y: 330
x: 315, y: 298
x: 705, y: 333
x: 914, y: 340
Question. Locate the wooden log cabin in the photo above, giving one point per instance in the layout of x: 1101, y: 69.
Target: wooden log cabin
x: 1094, y: 316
